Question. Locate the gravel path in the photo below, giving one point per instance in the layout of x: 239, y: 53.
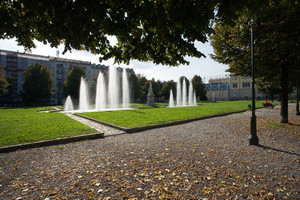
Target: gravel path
x: 108, y: 131
x: 203, y: 159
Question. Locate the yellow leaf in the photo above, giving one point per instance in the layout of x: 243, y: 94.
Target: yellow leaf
x: 279, y: 190
x: 223, y: 183
x: 206, y: 190
x: 270, y: 194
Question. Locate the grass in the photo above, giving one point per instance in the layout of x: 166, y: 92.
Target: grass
x: 144, y: 117
x: 60, y: 107
x: 275, y: 125
x: 23, y: 125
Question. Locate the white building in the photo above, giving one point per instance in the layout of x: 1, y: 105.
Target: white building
x: 231, y: 88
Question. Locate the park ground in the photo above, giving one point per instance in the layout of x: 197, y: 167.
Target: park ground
x: 206, y: 159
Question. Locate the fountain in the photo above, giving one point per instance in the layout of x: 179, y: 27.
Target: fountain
x: 83, y: 96
x: 191, y: 94
x: 184, y: 92
x: 109, y: 99
x: 171, y: 99
x: 113, y: 88
x: 125, y: 88
x: 213, y: 98
x: 178, y: 93
x: 69, y: 104
x: 107, y: 95
x: 100, y: 102
x: 182, y: 96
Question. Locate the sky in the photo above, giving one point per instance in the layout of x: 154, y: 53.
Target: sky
x: 204, y: 67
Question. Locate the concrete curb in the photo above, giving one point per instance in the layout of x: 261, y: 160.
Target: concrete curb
x: 51, y: 142
x: 143, y: 128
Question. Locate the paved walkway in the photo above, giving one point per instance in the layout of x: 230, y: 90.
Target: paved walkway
x: 108, y: 131
x: 209, y: 159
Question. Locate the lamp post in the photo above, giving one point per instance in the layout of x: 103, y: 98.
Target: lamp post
x: 253, y: 139
x: 297, y: 98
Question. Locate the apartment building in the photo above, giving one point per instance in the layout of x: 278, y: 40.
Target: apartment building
x: 15, y: 63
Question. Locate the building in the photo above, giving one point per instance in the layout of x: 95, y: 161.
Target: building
x: 15, y: 63
x: 241, y: 88
x: 231, y: 88
x: 218, y: 89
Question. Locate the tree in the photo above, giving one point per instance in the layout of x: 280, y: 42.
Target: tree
x: 156, y: 87
x: 143, y: 87
x: 276, y: 55
x: 72, y: 82
x: 272, y: 87
x: 3, y: 83
x: 165, y: 90
x: 38, y: 83
x: 134, y: 85
x: 199, y: 87
x: 160, y: 31
x: 269, y: 88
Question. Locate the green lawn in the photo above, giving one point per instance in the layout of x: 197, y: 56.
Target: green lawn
x: 22, y: 125
x: 144, y: 117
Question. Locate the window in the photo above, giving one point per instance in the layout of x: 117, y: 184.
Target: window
x: 59, y: 65
x: 234, y: 85
x: 246, y: 84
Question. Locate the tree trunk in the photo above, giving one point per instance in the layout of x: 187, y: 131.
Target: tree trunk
x: 272, y: 97
x: 284, y: 93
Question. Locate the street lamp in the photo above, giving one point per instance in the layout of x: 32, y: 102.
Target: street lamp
x: 253, y: 139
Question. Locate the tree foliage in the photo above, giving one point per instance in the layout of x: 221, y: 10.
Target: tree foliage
x: 159, y: 31
x: 134, y: 85
x: 165, y: 90
x: 156, y: 87
x: 38, y: 83
x: 275, y: 35
x: 181, y: 78
x: 269, y: 88
x: 199, y: 87
x: 72, y: 82
x: 277, y: 51
x: 144, y: 84
x: 3, y: 83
